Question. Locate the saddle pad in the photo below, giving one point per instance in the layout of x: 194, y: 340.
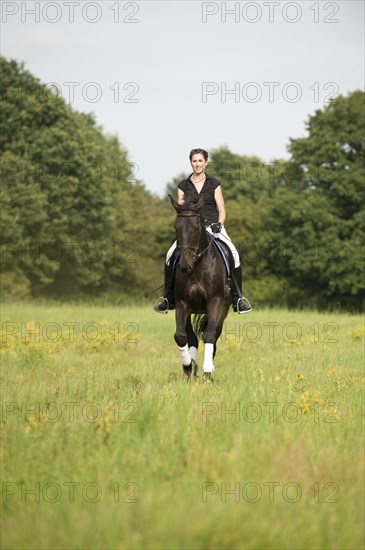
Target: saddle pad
x: 225, y: 252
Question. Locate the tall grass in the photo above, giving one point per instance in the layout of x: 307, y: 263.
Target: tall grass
x: 121, y: 452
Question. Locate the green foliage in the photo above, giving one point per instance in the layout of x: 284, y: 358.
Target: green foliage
x: 315, y: 223
x: 71, y: 212
x: 171, y: 187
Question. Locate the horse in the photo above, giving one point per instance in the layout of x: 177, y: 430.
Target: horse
x: 202, y: 287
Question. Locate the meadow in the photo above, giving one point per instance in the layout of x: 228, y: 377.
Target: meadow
x: 105, y: 445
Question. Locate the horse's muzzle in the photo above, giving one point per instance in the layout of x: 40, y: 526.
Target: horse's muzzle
x: 186, y: 260
x: 186, y: 268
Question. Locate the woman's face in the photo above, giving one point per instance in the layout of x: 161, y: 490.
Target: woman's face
x: 198, y: 163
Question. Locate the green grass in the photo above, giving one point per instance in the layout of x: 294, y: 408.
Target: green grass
x: 118, y: 414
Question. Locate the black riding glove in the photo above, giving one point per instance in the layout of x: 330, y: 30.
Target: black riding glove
x: 216, y: 227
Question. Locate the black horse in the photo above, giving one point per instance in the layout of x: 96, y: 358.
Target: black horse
x: 202, y: 287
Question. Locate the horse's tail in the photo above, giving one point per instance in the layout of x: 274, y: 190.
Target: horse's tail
x: 200, y: 324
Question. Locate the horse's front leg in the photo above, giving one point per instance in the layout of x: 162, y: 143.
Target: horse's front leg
x: 214, y: 314
x: 193, y: 344
x: 181, y: 338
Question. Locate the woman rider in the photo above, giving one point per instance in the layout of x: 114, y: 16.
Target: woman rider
x: 214, y: 215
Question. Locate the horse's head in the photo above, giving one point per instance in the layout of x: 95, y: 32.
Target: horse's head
x: 188, y: 227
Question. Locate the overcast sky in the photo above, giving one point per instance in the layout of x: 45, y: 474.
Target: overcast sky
x: 159, y: 74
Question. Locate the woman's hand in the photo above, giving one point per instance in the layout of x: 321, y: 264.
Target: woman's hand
x: 216, y: 227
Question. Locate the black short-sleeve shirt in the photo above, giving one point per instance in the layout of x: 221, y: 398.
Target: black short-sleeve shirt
x: 209, y: 211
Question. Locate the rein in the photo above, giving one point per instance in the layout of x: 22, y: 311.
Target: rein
x: 197, y: 256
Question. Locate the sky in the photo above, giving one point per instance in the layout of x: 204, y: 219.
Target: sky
x: 168, y: 76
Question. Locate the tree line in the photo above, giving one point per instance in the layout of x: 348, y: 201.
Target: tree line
x: 77, y: 224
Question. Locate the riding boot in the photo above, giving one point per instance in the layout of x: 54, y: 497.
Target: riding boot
x: 240, y: 303
x: 166, y: 301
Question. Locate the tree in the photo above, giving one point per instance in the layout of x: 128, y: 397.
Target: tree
x: 70, y: 204
x: 316, y: 221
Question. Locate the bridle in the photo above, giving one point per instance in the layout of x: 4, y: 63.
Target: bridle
x: 193, y: 248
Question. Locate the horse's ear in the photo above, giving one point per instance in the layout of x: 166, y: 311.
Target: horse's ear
x: 174, y: 203
x: 200, y: 203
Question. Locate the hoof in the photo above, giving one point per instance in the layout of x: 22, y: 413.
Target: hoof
x: 194, y: 365
x: 207, y: 377
x: 187, y: 371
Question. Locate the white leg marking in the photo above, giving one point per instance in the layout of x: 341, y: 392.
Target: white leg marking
x: 208, y: 358
x: 193, y: 352
x: 185, y: 355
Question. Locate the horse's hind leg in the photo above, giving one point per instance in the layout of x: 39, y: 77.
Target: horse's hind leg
x: 193, y: 344
x: 218, y: 332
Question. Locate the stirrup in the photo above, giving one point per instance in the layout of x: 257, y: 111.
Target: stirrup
x: 162, y: 305
x: 242, y: 306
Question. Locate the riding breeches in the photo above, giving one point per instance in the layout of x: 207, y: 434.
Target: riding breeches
x: 222, y: 236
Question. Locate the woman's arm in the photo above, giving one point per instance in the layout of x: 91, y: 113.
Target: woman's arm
x: 180, y: 196
x: 219, y: 201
